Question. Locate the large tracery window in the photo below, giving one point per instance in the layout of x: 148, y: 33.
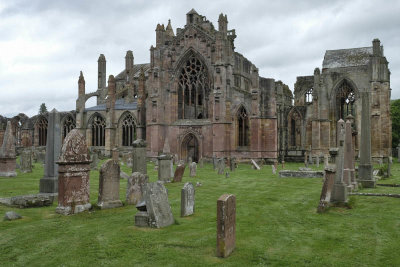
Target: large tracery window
x: 243, y: 127
x: 98, y: 131
x: 194, y: 88
x: 345, y: 99
x: 68, y: 125
x: 42, y: 131
x: 128, y: 130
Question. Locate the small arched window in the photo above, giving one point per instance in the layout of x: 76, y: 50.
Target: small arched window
x: 309, y: 96
x: 98, y: 131
x: 42, y: 131
x: 243, y: 127
x: 68, y: 125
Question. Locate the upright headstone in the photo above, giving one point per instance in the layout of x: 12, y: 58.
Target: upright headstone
x: 157, y: 205
x: 226, y: 225
x: 172, y: 167
x: 214, y: 161
x: 187, y: 199
x: 164, y: 168
x: 109, y: 185
x: 49, y: 182
x: 201, y: 163
x: 273, y: 169
x: 310, y: 161
x: 340, y: 189
x: 25, y: 161
x: 8, y: 158
x: 326, y: 160
x: 221, y: 166
x: 349, y: 164
x: 135, y: 188
x: 139, y: 163
x: 179, y: 171
x: 390, y: 162
x: 232, y: 164
x: 95, y: 161
x: 73, y: 175
x: 317, y: 161
x: 193, y: 169
x: 189, y: 160
x: 365, y: 176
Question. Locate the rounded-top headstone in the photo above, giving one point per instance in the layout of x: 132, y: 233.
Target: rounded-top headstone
x: 74, y: 149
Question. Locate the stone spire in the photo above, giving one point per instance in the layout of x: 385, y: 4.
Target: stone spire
x: 169, y: 31
x: 81, y: 85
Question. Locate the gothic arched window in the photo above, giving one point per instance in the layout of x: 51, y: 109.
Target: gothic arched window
x: 98, y: 131
x: 345, y: 99
x: 68, y: 125
x: 309, y: 96
x: 194, y: 88
x: 243, y: 127
x: 128, y: 130
x: 42, y: 131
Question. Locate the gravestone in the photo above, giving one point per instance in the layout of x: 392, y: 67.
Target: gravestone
x: 326, y: 160
x: 179, y: 171
x: 139, y: 163
x: 325, y: 197
x: 365, y: 166
x: 172, y: 168
x: 94, y: 157
x: 255, y: 165
x: 349, y: 162
x: 273, y: 169
x: 187, y: 199
x: 189, y: 160
x: 221, y: 166
x: 109, y: 185
x: 232, y: 164
x: 340, y: 188
x: 193, y: 169
x: 49, y: 182
x: 8, y: 158
x: 164, y: 168
x: 214, y: 161
x: 398, y: 153
x: 157, y: 205
x: 73, y: 175
x: 310, y: 161
x: 201, y: 163
x: 25, y: 161
x: 317, y: 161
x: 226, y: 225
x: 306, y: 159
x: 135, y: 188
x: 390, y: 162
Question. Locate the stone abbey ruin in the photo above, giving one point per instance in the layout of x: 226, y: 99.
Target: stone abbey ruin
x: 198, y: 98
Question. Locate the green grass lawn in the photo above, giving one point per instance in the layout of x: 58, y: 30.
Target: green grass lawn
x: 277, y: 225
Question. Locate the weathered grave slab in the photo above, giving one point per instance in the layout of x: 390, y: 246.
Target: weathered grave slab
x: 187, y: 199
x: 109, y: 185
x: 135, y: 188
x: 301, y: 174
x: 157, y: 205
x: 226, y: 225
x: 193, y: 169
x: 179, y: 171
x: 8, y: 157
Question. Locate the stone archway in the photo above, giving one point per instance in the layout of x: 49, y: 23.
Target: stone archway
x: 190, y: 148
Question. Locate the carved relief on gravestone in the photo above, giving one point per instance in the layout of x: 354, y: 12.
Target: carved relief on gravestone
x: 135, y: 188
x: 187, y: 199
x: 73, y: 177
x: 157, y: 205
x: 226, y: 225
x: 8, y: 157
x: 109, y: 185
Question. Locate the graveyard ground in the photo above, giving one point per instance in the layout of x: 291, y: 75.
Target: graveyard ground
x: 277, y: 225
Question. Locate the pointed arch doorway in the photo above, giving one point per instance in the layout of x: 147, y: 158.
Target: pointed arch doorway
x: 190, y: 148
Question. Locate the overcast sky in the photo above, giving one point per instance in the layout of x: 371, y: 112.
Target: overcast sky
x: 45, y: 43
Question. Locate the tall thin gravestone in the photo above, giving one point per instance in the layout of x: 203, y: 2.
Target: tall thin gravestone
x: 8, y: 159
x: 73, y: 175
x: 139, y: 163
x: 49, y: 182
x: 339, y: 192
x: 187, y: 199
x: 365, y: 166
x: 221, y: 166
x: 109, y: 185
x: 26, y: 161
x: 226, y: 225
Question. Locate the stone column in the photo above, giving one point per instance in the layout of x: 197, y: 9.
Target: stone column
x: 139, y: 163
x: 365, y: 167
x: 339, y: 192
x: 73, y: 175
x: 226, y: 225
x: 8, y: 159
x: 49, y: 182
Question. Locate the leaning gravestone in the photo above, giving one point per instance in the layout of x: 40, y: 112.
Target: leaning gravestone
x: 226, y: 225
x: 187, y: 200
x: 179, y: 171
x: 255, y: 165
x: 8, y: 159
x: 109, y: 185
x: 25, y: 161
x: 135, y: 188
x: 164, y: 168
x: 193, y: 169
x: 221, y: 166
x: 73, y: 175
x: 139, y: 163
x: 157, y: 205
x: 49, y: 182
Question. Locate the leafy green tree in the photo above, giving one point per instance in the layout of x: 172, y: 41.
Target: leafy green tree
x: 42, y: 109
x: 395, y: 114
